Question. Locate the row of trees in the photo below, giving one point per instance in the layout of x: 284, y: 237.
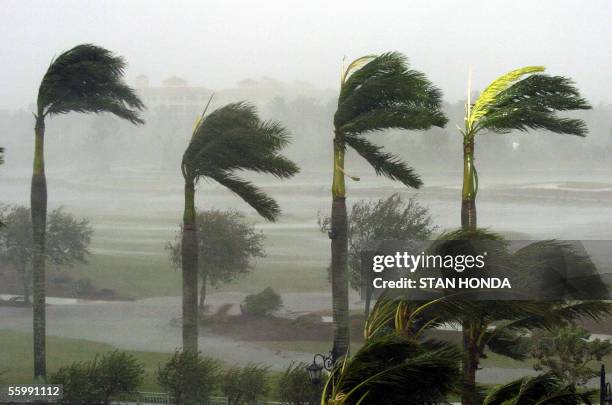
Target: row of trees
x: 376, y: 93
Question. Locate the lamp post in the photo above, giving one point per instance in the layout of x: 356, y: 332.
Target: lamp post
x: 320, y: 362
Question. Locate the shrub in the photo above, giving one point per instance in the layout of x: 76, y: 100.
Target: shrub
x: 118, y: 372
x: 79, y: 382
x: 188, y: 376
x: 98, y: 380
x: 245, y: 385
x: 295, y: 387
x: 261, y: 304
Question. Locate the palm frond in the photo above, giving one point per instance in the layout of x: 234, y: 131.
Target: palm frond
x: 231, y: 139
x: 384, y: 163
x: 545, y: 389
x: 385, y: 93
x: 265, y: 205
x: 394, y: 369
x: 490, y: 94
x: 88, y: 78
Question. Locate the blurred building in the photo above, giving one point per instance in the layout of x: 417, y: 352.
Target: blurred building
x: 175, y: 95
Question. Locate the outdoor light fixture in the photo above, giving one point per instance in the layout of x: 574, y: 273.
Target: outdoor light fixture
x: 315, y: 370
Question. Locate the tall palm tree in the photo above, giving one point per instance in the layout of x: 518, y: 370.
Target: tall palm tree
x: 231, y: 139
x: 522, y: 99
x: 376, y: 93
x: 85, y: 79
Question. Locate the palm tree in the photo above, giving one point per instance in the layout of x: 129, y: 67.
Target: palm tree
x: 376, y: 93
x: 231, y: 139
x: 394, y: 369
x: 497, y: 326
x: 544, y: 389
x: 85, y: 79
x: 522, y: 99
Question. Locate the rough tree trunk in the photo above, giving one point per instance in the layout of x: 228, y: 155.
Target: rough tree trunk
x: 203, y: 292
x: 189, y: 258
x: 470, y: 187
x: 25, y: 282
x: 38, y: 204
x: 339, y: 251
x: 470, y: 366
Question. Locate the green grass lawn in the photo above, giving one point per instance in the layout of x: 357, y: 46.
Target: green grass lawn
x: 16, y: 357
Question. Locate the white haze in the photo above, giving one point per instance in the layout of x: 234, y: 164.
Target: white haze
x: 217, y: 43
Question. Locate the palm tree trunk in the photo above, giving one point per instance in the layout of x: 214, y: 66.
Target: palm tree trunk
x: 190, y: 271
x: 470, y: 187
x: 470, y: 366
x: 203, y: 292
x: 25, y: 282
x: 38, y: 204
x: 339, y: 251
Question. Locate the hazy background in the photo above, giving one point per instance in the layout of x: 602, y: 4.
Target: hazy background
x: 285, y: 57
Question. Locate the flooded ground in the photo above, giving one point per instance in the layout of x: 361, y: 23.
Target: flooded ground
x: 134, y: 213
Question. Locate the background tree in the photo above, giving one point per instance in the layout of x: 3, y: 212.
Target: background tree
x: 245, y: 385
x: 84, y: 79
x: 263, y: 303
x: 376, y: 93
x: 386, y: 219
x: 188, y: 376
x: 522, y: 99
x: 232, y: 138
x: 68, y: 241
x: 568, y: 353
x: 227, y: 247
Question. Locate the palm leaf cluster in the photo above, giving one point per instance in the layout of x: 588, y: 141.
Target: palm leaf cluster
x: 526, y: 99
x: 382, y: 92
x: 545, y: 389
x: 87, y: 79
x: 233, y: 139
x: 395, y: 369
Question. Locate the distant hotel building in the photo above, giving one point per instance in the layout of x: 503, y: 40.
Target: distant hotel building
x: 175, y: 95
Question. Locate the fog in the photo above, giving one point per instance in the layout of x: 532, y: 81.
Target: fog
x: 285, y: 58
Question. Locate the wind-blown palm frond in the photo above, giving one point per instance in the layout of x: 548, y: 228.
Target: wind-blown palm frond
x: 394, y: 369
x: 544, y: 389
x: 512, y: 102
x: 384, y: 163
x: 233, y: 138
x: 488, y: 97
x: 379, y: 93
x: 88, y: 78
x: 385, y: 93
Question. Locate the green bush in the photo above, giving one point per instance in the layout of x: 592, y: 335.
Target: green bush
x: 245, y: 385
x: 188, y: 376
x: 261, y: 304
x: 98, y: 380
x: 295, y: 387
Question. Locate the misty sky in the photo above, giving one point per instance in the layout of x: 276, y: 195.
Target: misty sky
x: 217, y: 43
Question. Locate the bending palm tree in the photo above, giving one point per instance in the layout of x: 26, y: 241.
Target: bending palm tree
x: 230, y: 139
x: 522, y: 99
x: 84, y: 79
x: 376, y: 93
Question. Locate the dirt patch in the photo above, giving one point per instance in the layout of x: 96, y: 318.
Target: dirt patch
x: 271, y: 328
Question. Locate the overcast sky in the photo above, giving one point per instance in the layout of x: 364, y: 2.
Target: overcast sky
x: 217, y: 43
